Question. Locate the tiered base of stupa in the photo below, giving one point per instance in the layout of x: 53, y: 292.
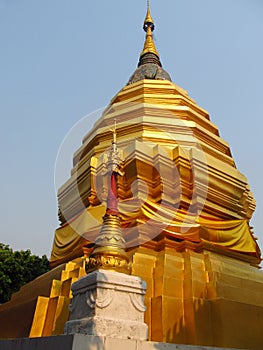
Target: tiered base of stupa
x: 201, y: 298
x: 196, y: 298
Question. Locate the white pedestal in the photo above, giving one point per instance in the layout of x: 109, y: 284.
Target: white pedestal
x: 108, y: 303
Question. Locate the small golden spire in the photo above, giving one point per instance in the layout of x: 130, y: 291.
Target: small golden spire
x: 109, y: 249
x: 148, y: 26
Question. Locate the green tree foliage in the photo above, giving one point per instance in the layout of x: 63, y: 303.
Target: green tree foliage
x: 18, y: 268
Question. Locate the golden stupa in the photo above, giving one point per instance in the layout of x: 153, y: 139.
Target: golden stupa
x: 184, y: 212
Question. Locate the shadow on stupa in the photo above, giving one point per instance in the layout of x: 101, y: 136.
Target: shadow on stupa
x: 189, y: 328
x: 214, y: 323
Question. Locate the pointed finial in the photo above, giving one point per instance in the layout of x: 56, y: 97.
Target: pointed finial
x: 114, y: 132
x: 148, y: 19
x: 148, y: 26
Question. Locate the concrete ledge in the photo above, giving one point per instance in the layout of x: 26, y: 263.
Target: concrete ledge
x: 89, y: 342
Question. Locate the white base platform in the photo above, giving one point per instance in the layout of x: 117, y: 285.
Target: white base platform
x: 89, y: 342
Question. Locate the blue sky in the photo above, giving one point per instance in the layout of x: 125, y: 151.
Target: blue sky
x: 61, y: 60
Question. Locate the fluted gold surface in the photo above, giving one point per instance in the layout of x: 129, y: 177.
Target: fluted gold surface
x: 190, y: 178
x: 40, y: 308
x: 109, y: 251
x: 52, y: 311
x: 200, y: 298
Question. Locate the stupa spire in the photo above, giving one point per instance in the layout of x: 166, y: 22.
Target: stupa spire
x: 149, y: 66
x: 148, y: 26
